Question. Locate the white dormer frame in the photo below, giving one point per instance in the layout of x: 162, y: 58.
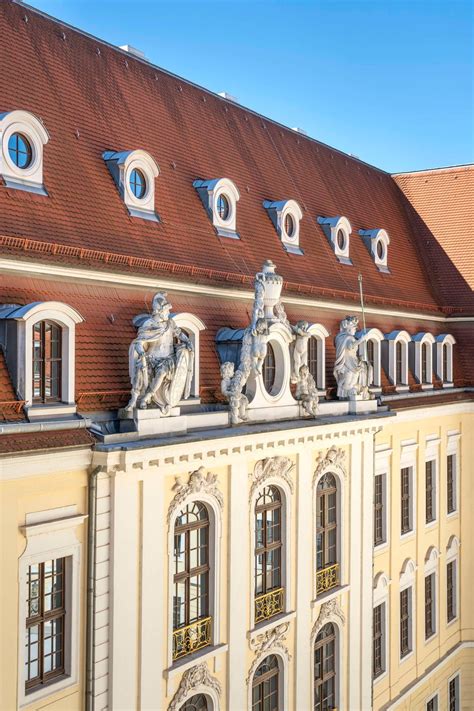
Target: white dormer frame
x: 209, y: 191
x: 372, y: 238
x: 193, y: 326
x: 444, y: 339
x: 331, y: 227
x: 418, y: 342
x: 389, y: 353
x: 320, y: 333
x: 29, y: 178
x: 375, y: 335
x: 121, y: 164
x: 278, y: 212
x: 64, y: 316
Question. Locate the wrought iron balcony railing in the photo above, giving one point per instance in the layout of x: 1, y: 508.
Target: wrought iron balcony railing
x: 327, y: 578
x: 189, y: 639
x: 269, y: 604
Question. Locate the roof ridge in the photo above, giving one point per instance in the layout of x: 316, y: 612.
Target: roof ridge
x: 460, y: 167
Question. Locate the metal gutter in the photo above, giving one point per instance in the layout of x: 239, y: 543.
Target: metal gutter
x: 90, y: 629
x: 54, y: 426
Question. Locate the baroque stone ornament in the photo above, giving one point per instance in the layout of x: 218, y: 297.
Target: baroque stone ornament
x: 269, y: 468
x: 353, y: 374
x: 328, y: 611
x: 307, y: 392
x: 194, y: 678
x: 198, y: 482
x: 264, y: 642
x: 160, y: 360
x: 333, y: 460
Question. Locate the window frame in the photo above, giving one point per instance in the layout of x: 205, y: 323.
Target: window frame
x: 456, y: 677
x: 209, y: 192
x: 321, y: 644
x: 381, y: 586
x: 326, y: 529
x: 264, y: 678
x: 29, y: 178
x: 121, y: 165
x: 408, y: 582
x: 331, y: 226
x: 192, y: 326
x: 420, y: 344
x: 43, y: 399
x: 268, y: 548
x: 383, y: 455
x: 433, y: 606
x: 453, y: 557
x: 278, y: 213
x: 444, y: 364
x: 389, y: 357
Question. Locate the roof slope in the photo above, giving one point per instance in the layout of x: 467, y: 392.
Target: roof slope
x: 93, y: 97
x: 442, y: 214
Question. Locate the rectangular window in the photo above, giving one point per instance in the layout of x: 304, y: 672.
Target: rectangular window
x: 406, y: 502
x: 451, y: 483
x: 405, y: 622
x: 432, y: 704
x: 451, y: 590
x: 453, y: 694
x: 379, y: 510
x: 378, y: 642
x: 45, y: 623
x: 430, y: 491
x: 430, y: 626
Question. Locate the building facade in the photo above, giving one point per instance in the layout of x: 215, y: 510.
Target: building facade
x: 225, y: 482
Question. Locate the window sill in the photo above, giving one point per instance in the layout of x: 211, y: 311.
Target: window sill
x: 380, y: 677
x: 271, y: 623
x: 203, y: 655
x: 34, y: 412
x: 431, y: 638
x: 431, y: 524
x: 453, y: 514
x: 408, y: 655
x: 59, y: 684
x: 325, y: 597
x: 381, y: 547
x: 452, y: 622
x: 407, y: 536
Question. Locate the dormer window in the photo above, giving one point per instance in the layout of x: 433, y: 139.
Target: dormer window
x: 444, y: 358
x: 134, y: 173
x: 47, y: 360
x: 219, y: 197
x: 421, y: 358
x: 395, y: 358
x: 285, y: 216
x: 22, y: 138
x: 338, y: 231
x: 377, y: 242
x: 371, y: 351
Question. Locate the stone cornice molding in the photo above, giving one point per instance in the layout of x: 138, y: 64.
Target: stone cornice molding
x: 199, y: 482
x: 268, y: 642
x: 192, y: 679
x: 329, y: 612
x: 280, y: 467
x: 332, y: 461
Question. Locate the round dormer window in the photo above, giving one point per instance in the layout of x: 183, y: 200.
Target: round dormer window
x: 137, y: 183
x: 223, y: 207
x: 20, y: 150
x: 380, y: 249
x: 341, y: 240
x: 290, y: 226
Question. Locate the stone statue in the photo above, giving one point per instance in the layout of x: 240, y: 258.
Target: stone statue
x: 353, y: 374
x: 259, y: 344
x: 160, y: 360
x: 307, y: 392
x: 300, y: 348
x: 232, y: 385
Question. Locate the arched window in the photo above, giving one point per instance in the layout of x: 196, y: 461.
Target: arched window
x: 371, y: 357
x: 46, y: 362
x: 268, y: 554
x: 191, y: 621
x: 269, y: 369
x: 313, y: 359
x: 424, y: 363
x: 265, y: 685
x: 399, y: 363
x: 325, y: 669
x: 445, y: 375
x: 195, y: 703
x: 327, y: 566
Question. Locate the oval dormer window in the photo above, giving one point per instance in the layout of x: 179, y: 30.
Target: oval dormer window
x: 137, y: 183
x: 223, y: 207
x: 20, y: 150
x: 269, y: 369
x: 341, y: 240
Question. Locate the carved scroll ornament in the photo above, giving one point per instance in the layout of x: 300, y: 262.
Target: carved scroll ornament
x: 198, y: 482
x: 329, y: 610
x: 333, y: 460
x: 269, y: 641
x: 273, y: 467
x: 194, y: 678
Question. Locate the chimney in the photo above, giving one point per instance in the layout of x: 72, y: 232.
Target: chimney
x: 299, y: 130
x: 227, y: 96
x: 133, y: 50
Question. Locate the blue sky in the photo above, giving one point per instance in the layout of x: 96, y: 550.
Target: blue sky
x: 390, y: 81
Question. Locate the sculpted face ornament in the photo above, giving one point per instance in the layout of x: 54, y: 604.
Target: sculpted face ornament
x: 353, y: 374
x: 160, y: 360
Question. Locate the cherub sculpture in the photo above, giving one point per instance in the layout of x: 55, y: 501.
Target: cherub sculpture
x: 259, y: 344
x: 232, y: 385
x: 353, y: 374
x: 300, y: 348
x: 307, y: 392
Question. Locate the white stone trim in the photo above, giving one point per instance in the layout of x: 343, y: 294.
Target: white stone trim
x: 453, y: 449
x: 389, y: 357
x: 331, y: 226
x: 377, y: 337
x: 209, y: 191
x: 407, y: 581
x: 430, y: 698
x: 457, y: 674
x: 431, y: 567
x: 422, y: 342
x: 48, y: 539
x: 193, y: 326
x: 67, y: 318
x: 336, y: 618
x: 215, y: 534
x: 382, y: 467
x: 197, y: 680
x: 320, y: 333
x: 371, y: 239
x: 381, y: 588
x: 444, y: 339
x: 26, y: 123
x: 408, y: 449
x: 283, y: 674
x: 432, y: 443
x: 280, y: 339
x: 278, y: 211
x: 121, y: 164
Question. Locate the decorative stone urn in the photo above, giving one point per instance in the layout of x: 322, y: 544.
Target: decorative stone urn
x: 273, y: 284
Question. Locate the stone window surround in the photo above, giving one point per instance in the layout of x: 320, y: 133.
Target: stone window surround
x: 440, y: 341
x: 383, y: 455
x: 391, y: 339
x: 340, y: 519
x: 121, y: 164
x: 408, y: 450
x: 452, y: 448
x: 278, y: 212
x: 193, y: 326
x: 381, y: 589
x: 320, y: 333
x: 452, y: 556
x: 50, y: 535
x: 375, y: 335
x: 31, y: 177
x: 209, y: 192
x: 416, y: 348
x: 331, y: 226
x: 408, y: 580
x: 431, y: 566
x: 432, y: 443
x: 371, y: 239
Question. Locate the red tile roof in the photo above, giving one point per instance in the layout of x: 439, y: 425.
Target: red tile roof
x: 91, y: 102
x: 38, y: 441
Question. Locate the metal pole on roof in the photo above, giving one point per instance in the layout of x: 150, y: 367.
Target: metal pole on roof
x: 364, y: 345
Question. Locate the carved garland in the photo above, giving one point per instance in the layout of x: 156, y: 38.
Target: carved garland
x: 333, y: 460
x: 328, y: 611
x: 273, y: 467
x: 269, y: 641
x: 199, y: 482
x: 198, y: 676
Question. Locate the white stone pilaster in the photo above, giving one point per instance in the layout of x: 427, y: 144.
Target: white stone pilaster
x: 366, y: 572
x: 355, y: 652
